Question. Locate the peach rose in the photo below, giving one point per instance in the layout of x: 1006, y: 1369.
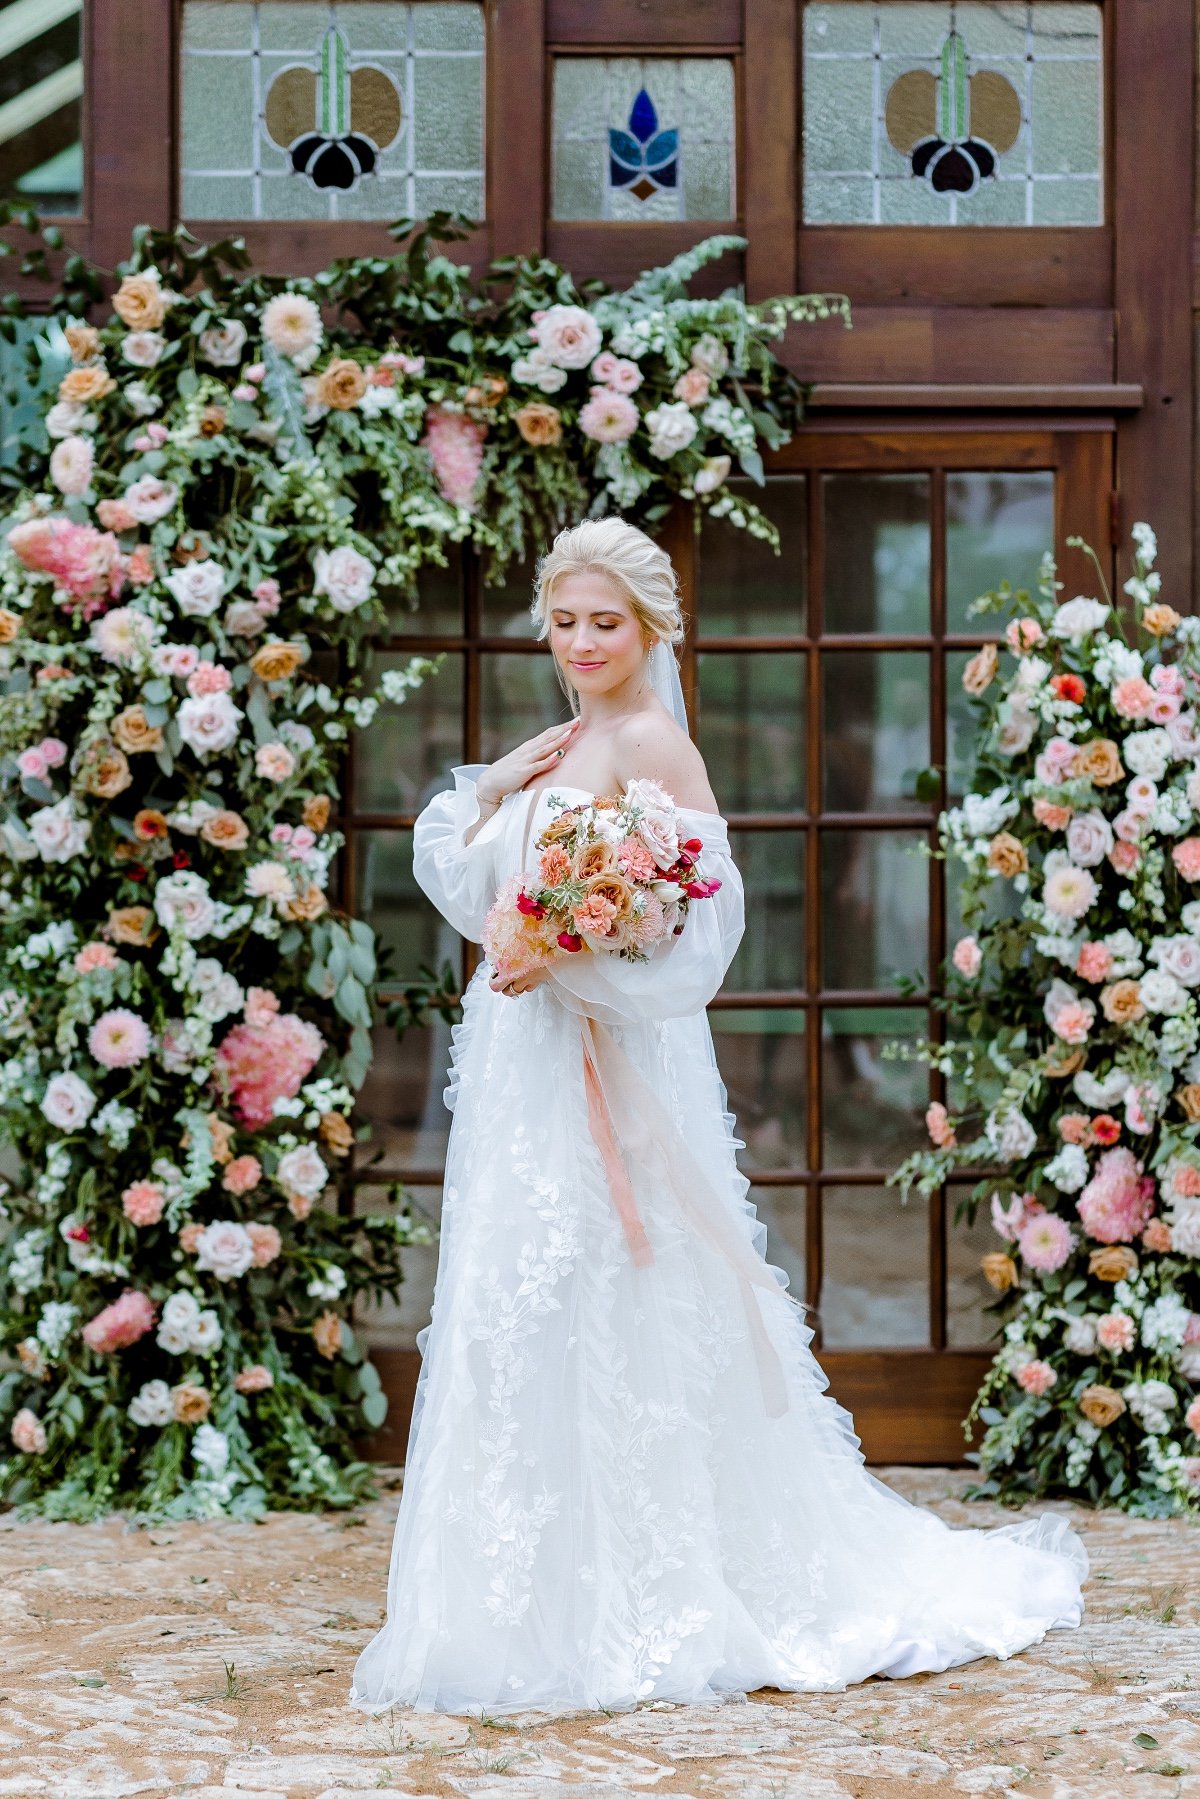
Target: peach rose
x: 1186, y: 857
x: 595, y: 859
x: 1098, y: 762
x: 980, y: 671
x: 133, y: 734
x: 267, y: 1243
x: 305, y: 906
x: 83, y: 341
x: 81, y: 386
x: 189, y: 1238
x: 299, y: 1205
x: 327, y: 1335
x: 1160, y: 620
x: 1121, y: 1003
x: 131, y: 924
x: 1115, y: 1262
x: 1006, y: 855
x: 1059, y: 1061
x: 1101, y: 1405
x: 10, y: 625
x: 315, y: 812
x: 226, y: 830
x: 1189, y: 1100
x: 342, y: 385
x: 539, y: 424
x: 220, y: 1132
x: 140, y: 303
x: 143, y: 1202
x: 28, y: 1432
x: 277, y: 661
x: 335, y: 1133
x: 107, y: 774
x: 190, y: 1403
x: 999, y: 1271
x: 254, y: 1379
x: 1157, y: 1237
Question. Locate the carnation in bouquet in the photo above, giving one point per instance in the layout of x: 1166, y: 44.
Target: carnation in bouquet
x: 1073, y: 1060
x: 614, y: 875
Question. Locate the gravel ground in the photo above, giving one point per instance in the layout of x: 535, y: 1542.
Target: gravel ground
x: 214, y: 1658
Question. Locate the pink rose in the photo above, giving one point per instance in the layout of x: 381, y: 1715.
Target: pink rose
x: 1073, y: 1021
x: 120, y: 1324
x: 261, y: 1005
x: 254, y: 1379
x: 95, y: 955
x: 1186, y: 857
x: 968, y: 957
x: 693, y: 387
x: 1023, y: 635
x: 1054, y: 818
x: 1036, y: 1378
x: 143, y: 1202
x: 28, y: 1432
x: 1053, y: 765
x: 1132, y: 697
x: 937, y: 1123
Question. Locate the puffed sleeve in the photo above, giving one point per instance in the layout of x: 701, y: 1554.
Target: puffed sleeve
x: 459, y: 877
x: 685, y: 972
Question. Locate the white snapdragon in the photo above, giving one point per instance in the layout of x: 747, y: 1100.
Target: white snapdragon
x: 1151, y: 1402
x: 1068, y: 1169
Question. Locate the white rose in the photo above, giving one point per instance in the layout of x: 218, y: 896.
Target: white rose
x: 1089, y: 838
x: 243, y: 619
x: 1147, y: 752
x: 658, y: 825
x: 302, y: 1171
x: 568, y: 336
x: 672, y: 428
x: 181, y: 1311
x: 712, y: 475
x: 152, y: 1405
x: 1032, y: 672
x: 343, y: 576
x: 1161, y: 992
x: 68, y: 416
x: 191, y: 818
x: 1151, y: 1402
x: 143, y: 348
x: 1010, y: 1134
x: 56, y: 831
x: 1185, y: 744
x: 537, y: 370
x: 71, y: 464
x: 1016, y: 726
x: 222, y: 344
x: 141, y: 402
x: 1179, y: 957
x: 984, y: 813
x: 150, y: 499
x: 67, y: 1102
x: 197, y: 587
x: 208, y: 722
x: 184, y: 898
x: 1078, y: 618
x: 206, y: 1333
x: 225, y: 1250
x: 1184, y: 1220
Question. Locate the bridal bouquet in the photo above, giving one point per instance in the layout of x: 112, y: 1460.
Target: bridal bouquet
x: 614, y: 874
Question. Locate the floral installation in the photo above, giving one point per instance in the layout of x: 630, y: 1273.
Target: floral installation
x: 235, y: 481
x: 615, y: 876
x: 1074, y: 1040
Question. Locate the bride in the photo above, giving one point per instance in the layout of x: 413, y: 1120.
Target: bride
x: 625, y: 1479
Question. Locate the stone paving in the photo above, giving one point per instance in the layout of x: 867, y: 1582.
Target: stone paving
x: 208, y: 1659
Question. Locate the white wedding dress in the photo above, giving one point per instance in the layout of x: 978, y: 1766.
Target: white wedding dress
x: 605, y: 1501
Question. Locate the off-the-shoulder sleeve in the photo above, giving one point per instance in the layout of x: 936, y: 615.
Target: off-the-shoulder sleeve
x: 685, y: 972
x: 459, y: 877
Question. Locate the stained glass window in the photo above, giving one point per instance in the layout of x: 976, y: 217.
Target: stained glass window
x: 967, y: 113
x: 643, y: 138
x: 41, y: 84
x: 307, y: 109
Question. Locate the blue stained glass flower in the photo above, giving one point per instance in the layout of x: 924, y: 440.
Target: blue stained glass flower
x: 643, y: 159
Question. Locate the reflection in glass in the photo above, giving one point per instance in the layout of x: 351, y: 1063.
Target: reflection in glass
x: 745, y: 588
x: 504, y: 606
x: 875, y: 1288
x: 392, y: 903
x: 393, y: 1323
x: 962, y: 727
x: 520, y: 697
x: 997, y: 527
x: 968, y: 1326
x: 41, y: 90
x: 876, y: 729
x: 771, y: 953
x: 439, y: 606
x: 781, y: 1209
x: 751, y: 727
x: 872, y: 1109
x: 409, y: 750
x: 761, y: 1058
x: 875, y: 892
x: 876, y: 533
x: 401, y: 1098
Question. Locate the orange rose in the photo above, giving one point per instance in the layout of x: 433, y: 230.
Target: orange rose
x: 1115, y: 1262
x: 150, y: 823
x: 1121, y: 1002
x: 486, y: 393
x: 327, y: 1335
x: 106, y: 775
x: 1160, y: 621
x: 306, y: 905
x: 133, y: 734
x: 10, y: 624
x: 335, y: 1133
x: 92, y: 382
x: 221, y: 1133
x: 1101, y: 1405
x: 1189, y: 1099
x: 131, y: 924
x: 1006, y: 855
x: 342, y: 385
x: 595, y: 859
x: 277, y: 661
x: 1061, y: 1061
x: 539, y: 424
x: 558, y: 828
x: 617, y: 891
x: 226, y: 830
x: 315, y: 812
x: 980, y: 671
x: 999, y: 1271
x: 1098, y: 762
x: 83, y: 341
x: 190, y: 1403
x: 140, y: 303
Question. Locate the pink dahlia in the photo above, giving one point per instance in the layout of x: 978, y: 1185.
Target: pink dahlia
x: 1118, y: 1200
x: 608, y: 417
x: 257, y: 1064
x: 455, y: 445
x: 1046, y: 1242
x: 87, y: 564
x: 119, y: 1038
x: 120, y: 1324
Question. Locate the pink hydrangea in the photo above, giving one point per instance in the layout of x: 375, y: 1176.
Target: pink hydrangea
x: 143, y: 1202
x: 1094, y: 962
x: 256, y: 1064
x: 1036, y: 1377
x: 85, y: 563
x: 120, y: 1324
x: 1046, y: 1242
x: 455, y: 445
x: 968, y: 957
x: 1118, y: 1200
x: 119, y: 1038
x: 1115, y: 1332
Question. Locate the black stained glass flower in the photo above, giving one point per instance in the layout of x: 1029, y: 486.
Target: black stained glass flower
x: 335, y: 121
x: 926, y: 116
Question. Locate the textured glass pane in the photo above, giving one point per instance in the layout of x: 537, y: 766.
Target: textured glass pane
x: 303, y: 109
x: 394, y: 1323
x: 409, y: 749
x: 876, y: 729
x: 875, y: 896
x: 998, y: 525
x: 961, y: 727
x: 521, y: 696
x: 401, y: 1097
x: 871, y: 1109
x: 505, y: 606
x: 771, y: 953
x: 875, y: 1291
x: 782, y: 1210
x: 745, y: 588
x: 761, y: 1058
x: 751, y: 727
x: 643, y: 138
x: 968, y: 1325
x: 439, y: 604
x: 392, y: 903
x: 41, y: 85
x: 876, y: 552
x: 924, y: 112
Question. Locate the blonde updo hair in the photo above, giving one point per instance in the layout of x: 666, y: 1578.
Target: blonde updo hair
x: 638, y: 568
